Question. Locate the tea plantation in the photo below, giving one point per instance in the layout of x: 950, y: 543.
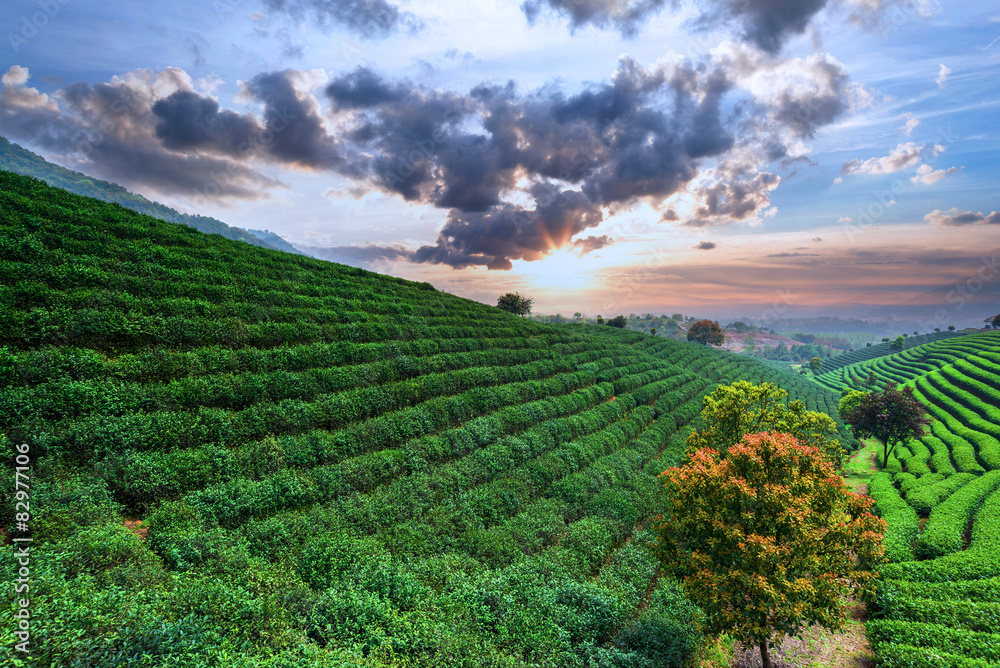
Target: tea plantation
x: 331, y: 467
x: 939, y: 602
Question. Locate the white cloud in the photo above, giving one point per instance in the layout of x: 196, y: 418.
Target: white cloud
x: 927, y: 175
x: 957, y: 217
x: 910, y: 125
x: 942, y: 77
x: 903, y: 156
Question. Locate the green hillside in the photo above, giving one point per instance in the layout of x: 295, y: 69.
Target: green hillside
x: 14, y: 158
x: 332, y: 467
x: 938, y: 604
x: 883, y: 349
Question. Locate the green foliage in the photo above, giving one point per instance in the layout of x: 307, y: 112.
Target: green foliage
x: 733, y: 411
x: 513, y: 302
x: 901, y: 519
x: 892, y: 416
x: 945, y: 530
x: 771, y: 521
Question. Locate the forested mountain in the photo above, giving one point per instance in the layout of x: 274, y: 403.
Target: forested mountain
x: 14, y: 158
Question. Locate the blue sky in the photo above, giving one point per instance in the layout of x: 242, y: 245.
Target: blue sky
x: 717, y: 158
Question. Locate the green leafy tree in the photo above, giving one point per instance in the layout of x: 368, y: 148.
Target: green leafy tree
x: 750, y: 345
x: 767, y: 539
x: 733, y: 411
x: 898, y: 343
x: 514, y: 302
x: 706, y: 332
x: 618, y: 321
x: 951, y: 328
x: 892, y: 416
x: 816, y: 363
x: 849, y: 400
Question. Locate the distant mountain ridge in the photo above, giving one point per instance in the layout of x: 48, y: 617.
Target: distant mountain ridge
x: 15, y: 158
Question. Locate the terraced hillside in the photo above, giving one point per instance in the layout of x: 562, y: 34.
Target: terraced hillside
x: 838, y: 362
x: 939, y: 602
x: 241, y: 457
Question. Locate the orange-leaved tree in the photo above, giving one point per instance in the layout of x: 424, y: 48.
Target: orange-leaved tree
x: 768, y: 539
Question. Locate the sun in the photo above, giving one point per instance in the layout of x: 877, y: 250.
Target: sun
x: 562, y: 269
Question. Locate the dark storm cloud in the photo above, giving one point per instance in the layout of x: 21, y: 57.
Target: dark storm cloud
x: 639, y: 136
x: 958, y: 218
x: 767, y: 24
x: 368, y: 18
x: 291, y: 131
x: 738, y: 197
x: 591, y: 244
x: 625, y: 16
x: 705, y: 245
x: 520, y: 173
x: 806, y: 111
x: 362, y: 89
x: 186, y: 120
x: 764, y: 23
x: 508, y: 232
x: 303, y: 141
x: 107, y: 130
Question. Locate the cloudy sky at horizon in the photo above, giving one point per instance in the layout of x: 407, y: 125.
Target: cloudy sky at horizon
x: 725, y: 158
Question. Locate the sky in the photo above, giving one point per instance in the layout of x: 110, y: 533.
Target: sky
x: 722, y: 158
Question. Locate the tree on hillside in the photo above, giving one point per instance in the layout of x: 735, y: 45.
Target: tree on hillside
x: 849, y: 399
x: 733, y: 411
x: 750, y: 344
x: 706, y: 332
x: 898, y: 343
x: 767, y: 539
x: 816, y: 364
x: 618, y: 321
x: 951, y: 328
x: 513, y: 302
x: 892, y: 416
